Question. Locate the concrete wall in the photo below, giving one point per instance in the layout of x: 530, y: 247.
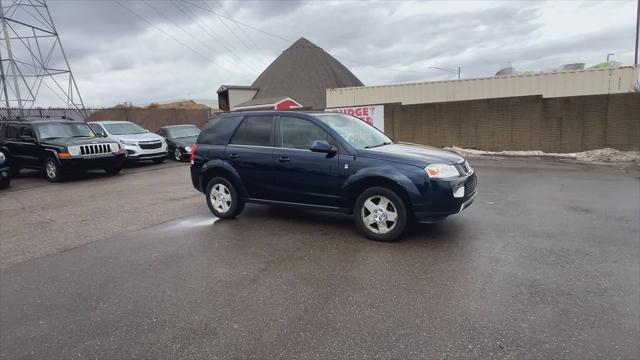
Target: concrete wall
x: 567, y: 124
x: 153, y: 119
x: 548, y: 85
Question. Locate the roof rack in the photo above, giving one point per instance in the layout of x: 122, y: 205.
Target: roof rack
x: 29, y: 117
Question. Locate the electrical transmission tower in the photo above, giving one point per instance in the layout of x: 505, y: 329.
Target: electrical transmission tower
x: 34, y: 69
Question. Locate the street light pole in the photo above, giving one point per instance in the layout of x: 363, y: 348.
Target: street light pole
x: 637, y: 31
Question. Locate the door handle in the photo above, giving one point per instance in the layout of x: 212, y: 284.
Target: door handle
x: 234, y: 156
x: 284, y: 159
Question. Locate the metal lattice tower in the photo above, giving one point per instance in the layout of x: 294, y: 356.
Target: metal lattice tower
x: 34, y: 69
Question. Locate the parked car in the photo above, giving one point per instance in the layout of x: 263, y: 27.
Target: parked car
x: 327, y: 161
x: 139, y: 143
x: 5, y: 171
x: 180, y: 140
x: 57, y: 146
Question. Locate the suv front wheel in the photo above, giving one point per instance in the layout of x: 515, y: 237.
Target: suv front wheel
x: 52, y: 170
x: 380, y: 214
x: 223, y: 199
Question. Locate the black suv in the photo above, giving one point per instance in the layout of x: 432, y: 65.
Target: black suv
x: 57, y: 146
x: 327, y: 161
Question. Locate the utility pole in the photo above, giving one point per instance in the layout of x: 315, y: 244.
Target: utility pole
x: 38, y: 70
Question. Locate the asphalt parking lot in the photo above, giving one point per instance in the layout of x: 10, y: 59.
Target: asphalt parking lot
x: 545, y: 264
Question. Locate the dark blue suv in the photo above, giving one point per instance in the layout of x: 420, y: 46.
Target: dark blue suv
x: 327, y: 161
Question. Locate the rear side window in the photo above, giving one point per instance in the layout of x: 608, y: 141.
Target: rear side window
x: 12, y: 131
x: 218, y: 130
x: 255, y: 130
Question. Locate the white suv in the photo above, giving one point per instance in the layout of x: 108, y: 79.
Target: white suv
x: 139, y: 143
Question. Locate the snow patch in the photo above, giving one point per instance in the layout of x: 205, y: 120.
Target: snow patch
x: 606, y: 155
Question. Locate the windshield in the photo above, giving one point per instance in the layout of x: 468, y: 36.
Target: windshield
x: 64, y: 130
x: 355, y: 131
x: 124, y: 129
x: 183, y: 132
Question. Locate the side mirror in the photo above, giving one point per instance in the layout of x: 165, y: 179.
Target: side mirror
x: 323, y: 146
x: 101, y: 134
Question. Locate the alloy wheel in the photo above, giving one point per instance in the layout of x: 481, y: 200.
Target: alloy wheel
x: 220, y: 197
x: 50, y: 168
x: 379, y: 214
x: 177, y: 154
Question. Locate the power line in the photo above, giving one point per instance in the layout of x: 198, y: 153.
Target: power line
x: 178, y: 26
x: 212, y: 34
x: 171, y: 36
x: 290, y: 41
x: 164, y: 32
x: 236, y: 35
x: 243, y: 31
x: 239, y: 22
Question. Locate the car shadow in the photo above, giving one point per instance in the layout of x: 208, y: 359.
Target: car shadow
x: 338, y: 224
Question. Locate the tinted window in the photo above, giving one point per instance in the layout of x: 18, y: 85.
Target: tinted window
x: 255, y: 130
x: 26, y: 131
x: 218, y: 130
x: 12, y: 131
x: 299, y: 133
x: 182, y: 132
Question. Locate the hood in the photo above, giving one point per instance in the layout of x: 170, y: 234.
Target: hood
x: 75, y: 141
x: 413, y: 154
x: 137, y: 137
x: 188, y: 141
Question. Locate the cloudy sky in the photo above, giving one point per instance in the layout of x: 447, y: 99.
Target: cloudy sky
x: 144, y: 51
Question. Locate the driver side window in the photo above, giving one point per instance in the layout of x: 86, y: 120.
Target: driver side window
x: 298, y: 133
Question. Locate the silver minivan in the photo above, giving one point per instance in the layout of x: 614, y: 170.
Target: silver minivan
x: 139, y: 142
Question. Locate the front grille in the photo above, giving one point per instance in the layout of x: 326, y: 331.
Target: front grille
x: 470, y: 186
x: 150, y: 145
x: 95, y: 149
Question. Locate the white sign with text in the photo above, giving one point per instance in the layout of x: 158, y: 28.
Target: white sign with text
x: 372, y: 114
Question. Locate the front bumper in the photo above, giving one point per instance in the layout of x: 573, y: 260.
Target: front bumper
x: 441, y: 201
x: 135, y: 152
x: 93, y: 162
x: 146, y: 156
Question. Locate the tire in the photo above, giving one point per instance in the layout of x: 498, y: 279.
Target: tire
x: 53, y: 170
x: 377, y: 221
x: 5, y: 183
x: 158, y: 161
x: 177, y: 154
x: 113, y: 170
x: 227, y: 206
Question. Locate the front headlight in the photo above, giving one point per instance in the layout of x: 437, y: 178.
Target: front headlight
x: 114, y: 147
x: 2, y: 157
x: 187, y: 149
x: 129, y: 143
x: 74, y: 150
x: 440, y: 171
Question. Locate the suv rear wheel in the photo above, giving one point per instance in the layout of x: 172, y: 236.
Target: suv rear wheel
x: 52, y: 170
x: 380, y: 214
x: 223, y: 199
